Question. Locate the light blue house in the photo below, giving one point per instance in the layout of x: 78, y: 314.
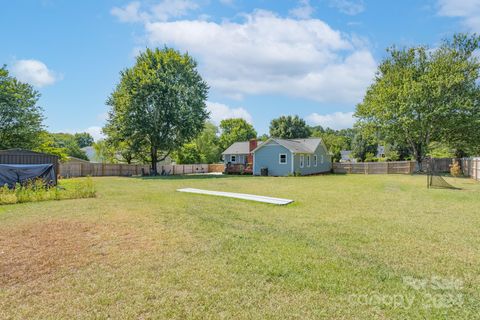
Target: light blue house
x: 283, y: 157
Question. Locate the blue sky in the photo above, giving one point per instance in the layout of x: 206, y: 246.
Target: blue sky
x: 262, y: 59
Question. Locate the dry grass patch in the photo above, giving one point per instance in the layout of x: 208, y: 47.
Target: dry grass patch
x: 37, y: 252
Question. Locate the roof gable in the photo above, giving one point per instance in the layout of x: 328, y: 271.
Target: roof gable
x: 308, y: 145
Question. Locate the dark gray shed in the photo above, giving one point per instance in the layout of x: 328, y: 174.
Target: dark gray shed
x: 20, y: 156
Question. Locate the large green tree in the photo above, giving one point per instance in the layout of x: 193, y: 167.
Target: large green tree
x: 47, y: 144
x: 20, y: 116
x: 208, y: 144
x: 235, y: 130
x: 203, y: 149
x: 69, y: 143
x: 159, y: 103
x: 289, y: 127
x: 84, y: 139
x: 421, y: 95
x: 335, y: 140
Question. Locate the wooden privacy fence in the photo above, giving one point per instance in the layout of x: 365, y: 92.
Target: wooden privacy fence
x: 440, y: 164
x: 216, y: 167
x: 471, y: 167
x: 68, y: 170
x: 400, y: 167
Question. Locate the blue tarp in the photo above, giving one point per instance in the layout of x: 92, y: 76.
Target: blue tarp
x: 10, y: 174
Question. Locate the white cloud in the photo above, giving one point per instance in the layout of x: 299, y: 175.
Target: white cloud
x: 163, y: 11
x: 468, y: 10
x: 173, y: 9
x: 303, y: 11
x: 268, y: 54
x: 95, y: 132
x: 34, y: 72
x: 129, y: 13
x: 337, y: 120
x: 350, y: 7
x: 219, y: 112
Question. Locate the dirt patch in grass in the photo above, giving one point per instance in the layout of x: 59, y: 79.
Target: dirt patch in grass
x: 37, y: 252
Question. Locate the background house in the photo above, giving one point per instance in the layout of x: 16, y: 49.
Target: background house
x: 283, y: 157
x: 380, y: 152
x: 238, y: 153
x: 347, y: 156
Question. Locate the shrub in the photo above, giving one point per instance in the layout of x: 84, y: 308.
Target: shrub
x: 37, y: 191
x: 455, y: 169
x: 7, y: 196
x: 370, y: 157
x: 393, y: 155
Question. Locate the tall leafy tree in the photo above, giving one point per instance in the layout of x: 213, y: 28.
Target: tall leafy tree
x: 289, y: 127
x: 203, y: 149
x: 364, y: 144
x: 84, y: 139
x: 159, y: 103
x: 69, y: 143
x: 235, y: 130
x: 208, y: 144
x: 20, y: 116
x: 335, y: 140
x: 104, y: 152
x: 422, y: 95
x: 188, y: 154
x: 47, y: 144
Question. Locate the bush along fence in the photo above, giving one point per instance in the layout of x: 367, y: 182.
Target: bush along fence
x: 69, y: 170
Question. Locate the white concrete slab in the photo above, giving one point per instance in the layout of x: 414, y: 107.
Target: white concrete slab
x: 243, y: 196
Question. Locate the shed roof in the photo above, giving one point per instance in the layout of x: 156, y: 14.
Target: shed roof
x: 18, y: 151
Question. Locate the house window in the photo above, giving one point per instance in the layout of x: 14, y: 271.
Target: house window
x: 302, y: 158
x: 308, y: 161
x: 233, y: 158
x: 321, y: 159
x: 282, y: 158
x: 315, y: 162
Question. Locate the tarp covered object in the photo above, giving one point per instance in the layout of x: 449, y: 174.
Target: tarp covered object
x: 10, y: 174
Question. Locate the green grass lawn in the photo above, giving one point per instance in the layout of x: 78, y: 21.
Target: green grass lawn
x: 350, y: 247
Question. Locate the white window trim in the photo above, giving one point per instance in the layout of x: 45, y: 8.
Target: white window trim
x: 315, y: 160
x: 309, y: 162
x: 232, y: 156
x: 321, y: 159
x: 293, y: 162
x: 302, y: 160
x: 280, y: 158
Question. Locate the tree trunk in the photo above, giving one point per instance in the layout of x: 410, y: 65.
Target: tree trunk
x: 154, y: 159
x: 419, y: 157
x: 420, y: 164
